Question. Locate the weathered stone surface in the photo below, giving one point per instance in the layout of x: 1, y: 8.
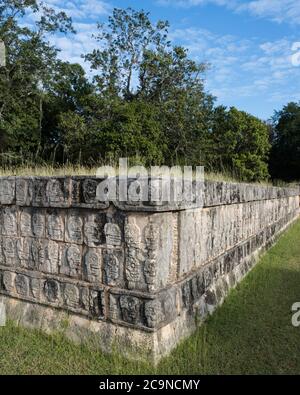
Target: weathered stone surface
x: 24, y: 191
x: 97, y: 303
x: 71, y: 295
x: 39, y: 188
x: 8, y: 282
x: 9, y: 251
x: 38, y: 223
x: 112, y: 234
x: 57, y: 192
x: 26, y: 223
x: 94, y: 229
x: 9, y: 222
x: 52, y: 291
x: 7, y: 190
x: 22, y: 285
x: 153, y: 313
x: 74, y: 227
x: 49, y: 256
x: 84, y: 193
x: 113, y: 265
x: 71, y: 261
x: 55, y: 225
x: 134, y: 254
x: 24, y: 245
x: 92, y: 265
x: 130, y: 309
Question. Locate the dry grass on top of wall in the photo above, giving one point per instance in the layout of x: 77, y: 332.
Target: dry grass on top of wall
x: 47, y: 170
x: 79, y: 170
x: 75, y: 170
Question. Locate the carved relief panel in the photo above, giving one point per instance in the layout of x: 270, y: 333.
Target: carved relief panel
x: 92, y: 265
x: 71, y: 260
x: 94, y: 229
x: 55, y: 225
x: 74, y: 227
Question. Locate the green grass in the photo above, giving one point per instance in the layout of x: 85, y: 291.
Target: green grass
x: 251, y: 333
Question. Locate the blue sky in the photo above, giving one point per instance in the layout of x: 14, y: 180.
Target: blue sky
x: 250, y: 45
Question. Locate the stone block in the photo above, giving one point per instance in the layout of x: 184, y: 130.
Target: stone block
x: 22, y: 285
x: 58, y: 192
x: 24, y: 191
x: 7, y: 190
x: 94, y: 223
x: 55, y: 225
x: 74, y: 227
x: 38, y: 223
x: 84, y: 193
x: 9, y: 221
x: 9, y: 250
x: 113, y: 267
x: 71, y: 261
x: 26, y: 222
x: 39, y: 187
x: 71, y: 295
x: 52, y: 292
x: 92, y: 265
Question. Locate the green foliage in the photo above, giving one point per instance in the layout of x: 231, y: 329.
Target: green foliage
x: 240, y: 142
x: 123, y: 43
x: 131, y: 129
x: 30, y: 61
x: 147, y: 99
x: 285, y: 138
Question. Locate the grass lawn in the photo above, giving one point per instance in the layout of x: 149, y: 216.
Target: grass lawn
x: 250, y: 333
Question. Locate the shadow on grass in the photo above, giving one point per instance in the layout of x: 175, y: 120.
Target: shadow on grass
x: 251, y: 333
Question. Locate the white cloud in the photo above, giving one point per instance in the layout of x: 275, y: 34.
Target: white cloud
x: 73, y: 46
x: 80, y: 9
x: 85, y: 15
x: 192, y: 3
x: 241, y: 69
x: 275, y: 10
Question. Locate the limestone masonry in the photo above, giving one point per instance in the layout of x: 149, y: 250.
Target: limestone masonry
x: 135, y: 277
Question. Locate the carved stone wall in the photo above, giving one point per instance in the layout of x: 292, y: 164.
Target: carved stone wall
x: 130, y: 274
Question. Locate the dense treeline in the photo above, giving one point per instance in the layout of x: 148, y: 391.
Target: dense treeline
x: 285, y: 138
x: 146, y: 101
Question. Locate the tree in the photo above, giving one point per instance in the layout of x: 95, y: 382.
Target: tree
x: 174, y: 81
x: 30, y: 61
x: 285, y: 139
x: 240, y: 144
x: 147, y: 99
x: 65, y: 100
x: 123, y: 42
x: 137, y: 64
x: 131, y: 129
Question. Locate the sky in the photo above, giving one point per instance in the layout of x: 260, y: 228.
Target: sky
x: 253, y: 47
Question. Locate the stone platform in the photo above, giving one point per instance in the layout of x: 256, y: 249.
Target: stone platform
x: 129, y: 276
